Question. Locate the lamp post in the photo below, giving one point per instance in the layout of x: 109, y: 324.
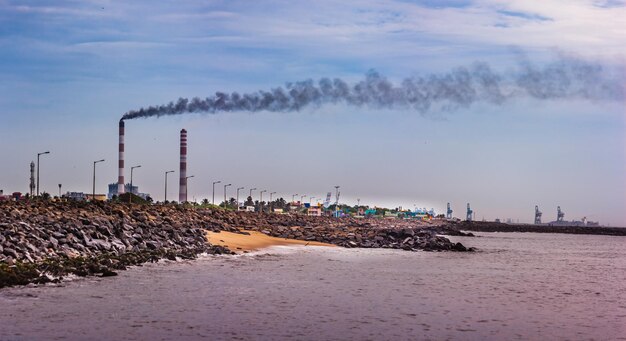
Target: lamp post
x: 261, y: 201
x: 187, y: 178
x: 337, y: 201
x: 225, y: 194
x: 130, y: 196
x: 311, y: 200
x: 166, y: 173
x: 302, y: 199
x: 214, y: 182
x: 93, y: 193
x: 38, y: 155
x: 238, y: 188
x: 252, y: 189
x: 293, y: 197
x: 271, y: 202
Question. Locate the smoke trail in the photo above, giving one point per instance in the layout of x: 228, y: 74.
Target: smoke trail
x: 565, y: 78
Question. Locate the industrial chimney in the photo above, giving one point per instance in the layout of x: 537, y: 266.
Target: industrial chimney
x: 32, y: 178
x: 182, y: 193
x: 120, y: 178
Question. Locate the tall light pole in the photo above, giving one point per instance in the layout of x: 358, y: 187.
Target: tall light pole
x: 130, y: 196
x: 302, y: 199
x: 186, y: 181
x: 93, y: 193
x: 38, y: 155
x: 293, y: 198
x: 238, y: 188
x: 337, y: 201
x: 225, y: 194
x: 311, y: 200
x: 271, y: 202
x: 166, y: 173
x: 214, y: 182
x: 261, y: 201
x: 252, y: 189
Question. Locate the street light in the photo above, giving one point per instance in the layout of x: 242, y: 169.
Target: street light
x: 214, y: 182
x: 130, y: 196
x: 271, y: 202
x: 302, y: 199
x: 187, y: 178
x: 293, y: 197
x: 252, y: 189
x: 311, y: 200
x: 261, y: 201
x: 225, y: 194
x: 166, y: 173
x: 337, y: 201
x: 238, y: 188
x: 38, y: 155
x: 93, y: 193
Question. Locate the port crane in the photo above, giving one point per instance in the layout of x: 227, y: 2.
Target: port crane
x: 537, y: 215
x: 559, y: 214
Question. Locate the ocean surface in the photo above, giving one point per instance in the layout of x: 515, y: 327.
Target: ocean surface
x: 518, y: 286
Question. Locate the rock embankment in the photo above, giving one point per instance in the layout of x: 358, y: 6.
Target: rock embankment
x: 347, y: 232
x: 486, y: 226
x: 41, y: 241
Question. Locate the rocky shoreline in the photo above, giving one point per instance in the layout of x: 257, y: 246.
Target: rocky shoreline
x: 44, y: 241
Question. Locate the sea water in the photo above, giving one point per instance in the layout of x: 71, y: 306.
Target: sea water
x: 517, y: 286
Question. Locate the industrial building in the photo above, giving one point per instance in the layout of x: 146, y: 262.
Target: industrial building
x: 114, y: 190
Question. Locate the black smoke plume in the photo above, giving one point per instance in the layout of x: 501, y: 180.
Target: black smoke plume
x: 564, y: 78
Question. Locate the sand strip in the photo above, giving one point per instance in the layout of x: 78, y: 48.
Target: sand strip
x: 255, y: 241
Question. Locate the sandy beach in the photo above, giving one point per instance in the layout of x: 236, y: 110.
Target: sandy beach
x: 256, y: 240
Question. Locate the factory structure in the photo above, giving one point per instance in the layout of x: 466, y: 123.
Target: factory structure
x: 560, y: 219
x: 114, y: 189
x: 120, y: 174
x: 119, y: 188
x: 182, y: 190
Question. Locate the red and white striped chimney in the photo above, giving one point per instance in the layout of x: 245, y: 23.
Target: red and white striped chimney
x: 182, y: 193
x: 120, y: 177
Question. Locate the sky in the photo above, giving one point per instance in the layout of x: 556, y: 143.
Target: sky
x: 70, y: 69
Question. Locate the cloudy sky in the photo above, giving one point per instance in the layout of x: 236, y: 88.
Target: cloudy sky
x: 70, y: 69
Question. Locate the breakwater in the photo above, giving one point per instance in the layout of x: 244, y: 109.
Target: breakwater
x: 43, y: 241
x: 410, y: 235
x: 485, y: 226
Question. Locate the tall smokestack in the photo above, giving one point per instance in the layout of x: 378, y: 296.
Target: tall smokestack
x: 182, y: 193
x: 120, y: 178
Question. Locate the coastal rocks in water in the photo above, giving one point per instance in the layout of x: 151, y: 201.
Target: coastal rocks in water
x: 410, y: 235
x: 41, y: 240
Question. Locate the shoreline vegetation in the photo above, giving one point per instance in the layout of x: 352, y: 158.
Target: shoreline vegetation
x: 43, y: 241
